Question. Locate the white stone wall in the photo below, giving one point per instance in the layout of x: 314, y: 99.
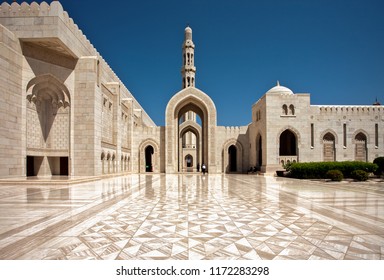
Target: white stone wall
x: 273, y: 119
x: 53, y: 43
x: 357, y: 119
x: 12, y: 143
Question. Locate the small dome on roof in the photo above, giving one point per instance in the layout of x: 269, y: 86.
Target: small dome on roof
x: 188, y: 29
x: 278, y: 89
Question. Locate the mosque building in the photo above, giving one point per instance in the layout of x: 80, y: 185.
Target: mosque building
x: 65, y: 112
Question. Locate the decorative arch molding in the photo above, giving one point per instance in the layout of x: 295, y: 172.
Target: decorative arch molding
x: 239, y: 155
x: 294, y: 131
x: 48, y: 85
x: 191, y: 126
x: 190, y: 99
x: 360, y: 131
x: 331, y: 131
x: 195, y: 128
x: 156, y: 155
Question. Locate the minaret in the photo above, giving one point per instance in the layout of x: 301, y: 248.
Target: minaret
x: 188, y: 70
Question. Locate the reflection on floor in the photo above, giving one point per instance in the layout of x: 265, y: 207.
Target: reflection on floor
x: 193, y: 217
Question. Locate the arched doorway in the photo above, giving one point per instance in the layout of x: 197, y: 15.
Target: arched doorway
x: 360, y: 147
x: 259, y: 151
x: 288, y: 151
x: 148, y: 158
x: 232, y: 158
x: 188, y: 161
x: 192, y: 148
x: 288, y: 143
x: 329, y: 150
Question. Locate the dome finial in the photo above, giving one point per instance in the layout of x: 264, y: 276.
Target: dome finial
x: 278, y: 83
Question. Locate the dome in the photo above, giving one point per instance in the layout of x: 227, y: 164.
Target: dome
x: 188, y: 33
x: 278, y: 89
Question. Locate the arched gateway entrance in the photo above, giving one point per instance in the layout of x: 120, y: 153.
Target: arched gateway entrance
x: 190, y: 99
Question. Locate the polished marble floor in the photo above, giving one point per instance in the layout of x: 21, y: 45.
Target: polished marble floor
x: 194, y: 217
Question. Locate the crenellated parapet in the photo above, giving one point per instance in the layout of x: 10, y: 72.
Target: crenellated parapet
x: 233, y: 130
x: 350, y: 110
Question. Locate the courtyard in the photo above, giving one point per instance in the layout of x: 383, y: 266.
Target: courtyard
x: 192, y: 217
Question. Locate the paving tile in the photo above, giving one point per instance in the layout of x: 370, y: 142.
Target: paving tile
x: 181, y: 217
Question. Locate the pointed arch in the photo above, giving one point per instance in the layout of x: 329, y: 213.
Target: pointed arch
x: 288, y: 141
x: 232, y: 147
x: 155, y: 157
x: 360, y: 139
x: 331, y: 131
x: 328, y: 141
x: 358, y: 131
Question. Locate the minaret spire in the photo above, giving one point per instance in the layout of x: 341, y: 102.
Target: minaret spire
x: 188, y: 70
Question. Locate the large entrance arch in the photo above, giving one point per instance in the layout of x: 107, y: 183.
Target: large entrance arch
x: 190, y: 99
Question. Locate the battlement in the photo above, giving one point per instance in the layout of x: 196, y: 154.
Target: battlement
x: 234, y: 130
x: 349, y: 109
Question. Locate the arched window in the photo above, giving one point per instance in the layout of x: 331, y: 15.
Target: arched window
x: 291, y: 110
x: 284, y: 110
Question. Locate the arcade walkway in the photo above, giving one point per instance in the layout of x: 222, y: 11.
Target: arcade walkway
x: 193, y: 217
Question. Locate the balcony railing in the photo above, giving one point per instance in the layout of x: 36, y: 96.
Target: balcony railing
x: 287, y: 159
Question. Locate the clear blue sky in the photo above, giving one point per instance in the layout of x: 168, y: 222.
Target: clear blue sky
x: 332, y: 49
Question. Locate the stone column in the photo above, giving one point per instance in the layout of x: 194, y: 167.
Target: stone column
x: 87, y: 119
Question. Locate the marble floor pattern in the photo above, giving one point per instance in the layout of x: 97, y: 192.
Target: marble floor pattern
x: 191, y: 216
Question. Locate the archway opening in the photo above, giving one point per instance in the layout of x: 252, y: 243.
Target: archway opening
x: 188, y: 161
x: 190, y: 99
x: 191, y: 131
x: 232, y: 158
x: 288, y: 145
x: 259, y: 151
x: 148, y: 158
x: 189, y: 147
